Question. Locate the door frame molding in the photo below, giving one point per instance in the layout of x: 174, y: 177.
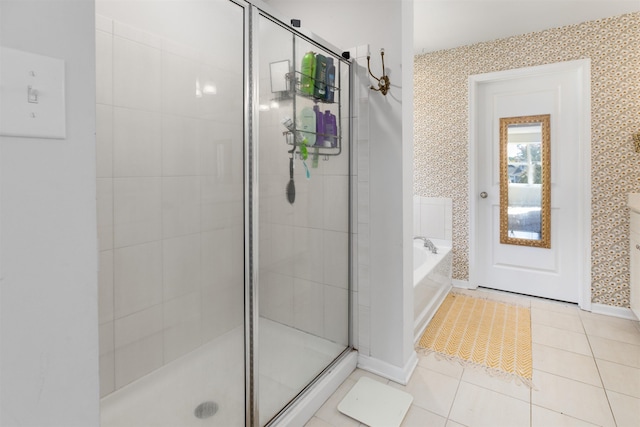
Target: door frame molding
x: 582, y: 68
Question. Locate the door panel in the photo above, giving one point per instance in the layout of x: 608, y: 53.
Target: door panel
x: 554, y: 272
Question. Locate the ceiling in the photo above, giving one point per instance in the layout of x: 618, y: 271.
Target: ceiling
x: 445, y: 24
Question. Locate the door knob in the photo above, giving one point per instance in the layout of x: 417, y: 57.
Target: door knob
x: 484, y: 194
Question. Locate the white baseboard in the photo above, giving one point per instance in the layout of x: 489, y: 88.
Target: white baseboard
x: 394, y: 373
x: 622, y: 312
x: 464, y: 284
x: 303, y: 411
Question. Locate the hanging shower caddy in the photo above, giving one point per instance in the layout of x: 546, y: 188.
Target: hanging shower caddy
x: 297, y: 92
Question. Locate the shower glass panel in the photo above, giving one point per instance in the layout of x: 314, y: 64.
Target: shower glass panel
x: 303, y: 209
x: 170, y: 176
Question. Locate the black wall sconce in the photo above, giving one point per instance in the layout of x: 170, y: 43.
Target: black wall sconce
x: 383, y: 82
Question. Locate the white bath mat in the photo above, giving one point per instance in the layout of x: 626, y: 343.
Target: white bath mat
x: 376, y: 404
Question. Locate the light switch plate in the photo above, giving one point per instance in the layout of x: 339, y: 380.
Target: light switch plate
x: 32, y: 95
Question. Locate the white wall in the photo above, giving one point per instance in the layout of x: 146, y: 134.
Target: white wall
x: 49, y: 335
x: 388, y: 25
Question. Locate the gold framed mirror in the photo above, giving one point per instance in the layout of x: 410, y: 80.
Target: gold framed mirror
x: 525, y: 181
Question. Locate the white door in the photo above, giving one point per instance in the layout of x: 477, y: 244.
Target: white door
x: 557, y: 272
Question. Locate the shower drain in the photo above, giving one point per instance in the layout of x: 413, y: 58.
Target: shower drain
x: 206, y: 410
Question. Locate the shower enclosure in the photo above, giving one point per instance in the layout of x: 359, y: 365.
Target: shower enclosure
x: 224, y: 234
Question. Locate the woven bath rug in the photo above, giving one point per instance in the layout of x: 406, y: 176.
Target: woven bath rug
x: 484, y: 333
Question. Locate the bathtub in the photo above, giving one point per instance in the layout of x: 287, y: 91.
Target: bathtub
x: 431, y: 281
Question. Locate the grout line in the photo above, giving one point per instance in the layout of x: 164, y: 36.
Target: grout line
x: 606, y: 395
x: 455, y: 396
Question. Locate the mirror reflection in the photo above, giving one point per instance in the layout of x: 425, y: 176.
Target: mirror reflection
x: 525, y: 181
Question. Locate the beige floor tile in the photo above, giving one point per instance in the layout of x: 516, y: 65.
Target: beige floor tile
x: 626, y: 409
x: 620, y: 378
x: 359, y: 373
x: 479, y: 377
x: 543, y: 417
x: 566, y: 364
x: 454, y: 424
x: 447, y: 367
x: 418, y: 417
x: 560, y: 338
x: 615, y: 351
x: 569, y: 322
x: 574, y: 398
x: 329, y: 413
x: 317, y: 422
x: 558, y: 306
x: 431, y: 390
x: 477, y: 406
x: 611, y: 327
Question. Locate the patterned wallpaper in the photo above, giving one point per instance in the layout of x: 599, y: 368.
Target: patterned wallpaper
x: 441, y: 131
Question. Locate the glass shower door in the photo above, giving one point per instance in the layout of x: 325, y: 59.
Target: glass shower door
x: 303, y: 213
x: 171, y: 85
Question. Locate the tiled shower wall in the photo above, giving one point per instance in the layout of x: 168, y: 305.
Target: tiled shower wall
x: 170, y: 198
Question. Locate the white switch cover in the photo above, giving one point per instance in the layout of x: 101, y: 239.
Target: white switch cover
x: 32, y: 95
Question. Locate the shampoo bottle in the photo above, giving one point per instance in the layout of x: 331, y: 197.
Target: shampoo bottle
x: 331, y: 80
x: 308, y: 71
x: 330, y: 130
x: 320, y: 137
x: 308, y: 125
x: 321, y: 77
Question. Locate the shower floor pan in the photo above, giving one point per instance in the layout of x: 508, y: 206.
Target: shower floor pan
x: 215, y: 373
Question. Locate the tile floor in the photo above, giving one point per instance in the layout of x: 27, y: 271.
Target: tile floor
x: 586, y: 372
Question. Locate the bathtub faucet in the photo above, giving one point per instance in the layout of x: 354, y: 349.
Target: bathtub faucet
x: 427, y: 244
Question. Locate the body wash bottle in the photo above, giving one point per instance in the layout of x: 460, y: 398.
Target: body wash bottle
x: 330, y: 130
x: 331, y: 80
x: 308, y: 124
x: 320, y: 137
x: 308, y: 71
x: 321, y: 77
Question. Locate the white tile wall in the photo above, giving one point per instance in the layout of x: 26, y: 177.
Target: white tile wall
x: 104, y: 141
x: 308, y: 254
x: 308, y: 314
x: 180, y: 206
x: 180, y: 266
x: 136, y: 137
x: 137, y: 72
x: 336, y: 314
x: 104, y: 67
x: 137, y: 278
x: 335, y: 260
x: 180, y: 75
x: 138, y: 344
x: 336, y: 199
x: 433, y: 217
x: 182, y: 325
x: 104, y: 193
x: 180, y: 146
x: 137, y: 210
x: 105, y: 287
x: 107, y: 358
